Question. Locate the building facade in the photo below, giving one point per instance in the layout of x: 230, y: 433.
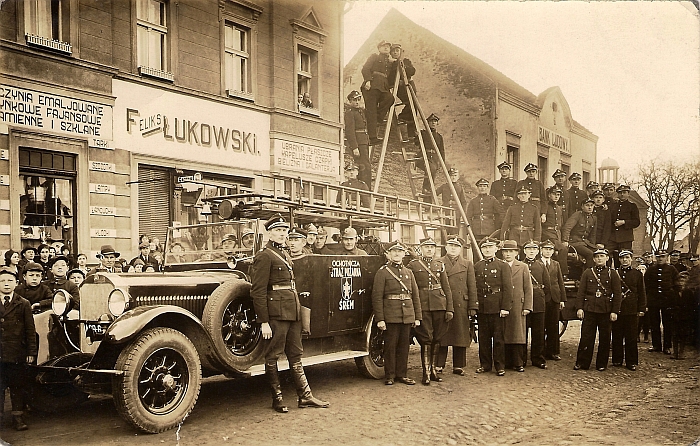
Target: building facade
x: 120, y: 118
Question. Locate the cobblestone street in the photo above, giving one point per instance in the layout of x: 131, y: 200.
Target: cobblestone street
x: 658, y: 404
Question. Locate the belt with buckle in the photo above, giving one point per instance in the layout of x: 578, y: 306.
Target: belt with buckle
x: 398, y: 296
x: 486, y: 216
x: 290, y: 286
x: 432, y: 287
x: 524, y: 228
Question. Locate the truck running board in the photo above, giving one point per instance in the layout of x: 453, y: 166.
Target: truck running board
x: 282, y: 364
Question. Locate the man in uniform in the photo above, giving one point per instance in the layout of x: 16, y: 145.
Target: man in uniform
x: 609, y: 191
x: 591, y: 187
x: 432, y: 153
x: 559, y: 177
x: 436, y: 305
x: 557, y: 292
x: 515, y: 327
x: 597, y: 304
x: 278, y: 311
x: 675, y: 257
x: 574, y: 195
x: 624, y: 218
x: 311, y: 234
x: 406, y: 115
x: 448, y: 200
x: 296, y: 242
x: 484, y: 212
x: 522, y: 221
x: 661, y: 284
x: 356, y: 134
x: 541, y: 294
x: 320, y: 243
x: 504, y: 188
x: 552, y: 224
x: 580, y: 230
x: 376, y: 89
x: 351, y: 173
x: 349, y: 242
x: 494, y: 287
x: 602, y: 216
x: 460, y: 274
x: 634, y: 302
x: 537, y: 193
x: 396, y: 305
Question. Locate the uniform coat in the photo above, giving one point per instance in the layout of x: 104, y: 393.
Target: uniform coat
x: 484, y: 213
x: 537, y: 192
x: 574, y: 199
x: 627, y: 211
x: 551, y: 230
x: 268, y: 270
x: 661, y: 282
x: 378, y: 98
x: 460, y: 274
x: 610, y: 291
x: 581, y: 228
x: 541, y: 285
x: 18, y: 332
x: 494, y: 286
x: 432, y: 299
x: 634, y: 293
x: 522, y: 223
x: 504, y: 191
x: 447, y: 198
x: 515, y: 324
x: 557, y: 294
x: 395, y: 311
x: 625, y: 329
x: 602, y: 234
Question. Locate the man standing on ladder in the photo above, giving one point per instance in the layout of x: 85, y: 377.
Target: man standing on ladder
x: 432, y: 153
x: 375, y: 89
x: 356, y: 126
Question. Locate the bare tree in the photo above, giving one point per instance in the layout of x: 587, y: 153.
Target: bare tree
x: 694, y: 207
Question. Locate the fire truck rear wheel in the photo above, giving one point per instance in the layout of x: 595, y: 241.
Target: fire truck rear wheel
x: 372, y: 365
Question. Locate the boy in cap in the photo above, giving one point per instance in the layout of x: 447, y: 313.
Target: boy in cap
x: 484, y: 212
x: 397, y: 308
x: 448, y: 200
x: 515, y: 327
x: 580, y: 231
x: 357, y: 138
x: 541, y: 294
x: 376, y: 88
x: 18, y: 346
x: 436, y: 304
x: 597, y: 305
x: 522, y: 221
x: 349, y: 242
x: 352, y: 180
x: 557, y: 301
x: 432, y: 153
x: 537, y: 194
x: 406, y: 115
x: 311, y: 234
x: 574, y: 195
x: 320, y: 243
x: 504, y: 188
x: 278, y: 311
x: 77, y: 276
x: 37, y: 293
x: 494, y: 286
x: 296, y: 242
x: 144, y: 255
x: 460, y: 275
x: 59, y: 268
x: 633, y: 306
x: 552, y: 226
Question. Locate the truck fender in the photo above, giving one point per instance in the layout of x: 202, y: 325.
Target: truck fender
x: 131, y: 323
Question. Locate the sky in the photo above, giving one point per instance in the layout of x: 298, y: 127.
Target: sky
x: 629, y: 70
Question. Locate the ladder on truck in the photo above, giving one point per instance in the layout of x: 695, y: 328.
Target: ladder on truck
x: 410, y: 160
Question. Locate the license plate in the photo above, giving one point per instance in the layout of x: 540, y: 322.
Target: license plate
x: 94, y: 330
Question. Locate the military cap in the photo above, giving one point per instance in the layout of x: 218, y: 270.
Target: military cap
x: 592, y: 184
x: 53, y: 260
x: 597, y: 192
x: 354, y: 95
x: 554, y: 190
x: 144, y: 245
x: 7, y: 270
x: 453, y: 170
x: 504, y: 165
x: 623, y: 188
x: 530, y: 166
x: 558, y: 173
x: 685, y: 255
x: 608, y: 186
x: 660, y: 253
x: 382, y: 43
x: 427, y: 241
x: 396, y: 244
x: 675, y: 253
x: 523, y: 189
x: 322, y: 231
x: 229, y: 237
x: 28, y: 248
x: 639, y: 259
x: 482, y: 182
x: 395, y: 45
x: 625, y: 252
x: 351, y: 166
x: 107, y: 250
x: 297, y: 232
x: 601, y: 251
x: 349, y: 232
x: 433, y: 117
x: 587, y: 200
x: 575, y: 176
x: 509, y: 245
x: 247, y: 231
x: 276, y: 221
x: 33, y: 266
x: 488, y: 241
x: 647, y: 254
x: 547, y: 244
x: 454, y: 239
x: 311, y: 229
x: 531, y: 244
x: 81, y: 272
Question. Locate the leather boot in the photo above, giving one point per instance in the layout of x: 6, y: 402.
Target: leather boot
x: 19, y: 423
x: 435, y: 348
x: 274, y: 380
x: 426, y: 355
x: 306, y: 399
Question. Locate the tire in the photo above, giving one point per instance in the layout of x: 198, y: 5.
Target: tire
x: 229, y: 317
x: 161, y: 381
x: 57, y: 397
x: 562, y: 327
x: 372, y: 365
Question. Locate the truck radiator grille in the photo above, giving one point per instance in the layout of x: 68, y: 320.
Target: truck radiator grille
x: 193, y: 304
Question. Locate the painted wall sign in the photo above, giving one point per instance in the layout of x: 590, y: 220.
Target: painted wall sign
x: 101, y: 166
x: 296, y: 156
x: 103, y: 210
x: 47, y: 111
x: 103, y: 233
x: 155, y: 122
x: 4, y: 180
x: 109, y: 189
x: 553, y: 139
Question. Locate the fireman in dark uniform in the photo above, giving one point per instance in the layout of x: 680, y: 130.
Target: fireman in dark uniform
x: 357, y: 137
x: 541, y: 294
x: 396, y: 304
x: 552, y: 225
x: 448, y: 199
x: 580, y: 230
x: 537, y: 193
x: 661, y: 282
x: 494, y: 287
x: 351, y: 173
x: 432, y: 152
x: 522, y: 221
x: 574, y: 195
x: 634, y: 302
x: 278, y: 309
x: 609, y: 191
x: 624, y: 218
x: 376, y: 88
x: 559, y: 177
x: 597, y: 304
x: 504, y: 188
x: 406, y: 115
x: 436, y: 305
x: 591, y: 187
x: 602, y: 216
x: 484, y: 212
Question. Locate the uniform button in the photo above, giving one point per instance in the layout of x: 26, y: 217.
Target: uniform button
x: 403, y: 305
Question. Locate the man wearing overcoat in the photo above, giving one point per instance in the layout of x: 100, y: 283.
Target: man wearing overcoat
x: 557, y: 293
x: 662, y: 288
x: 278, y: 310
x: 634, y: 302
x: 484, y: 211
x: 504, y: 188
x: 436, y: 304
x: 516, y: 322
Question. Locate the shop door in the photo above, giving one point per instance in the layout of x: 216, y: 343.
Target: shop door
x: 47, y: 202
x: 154, y: 202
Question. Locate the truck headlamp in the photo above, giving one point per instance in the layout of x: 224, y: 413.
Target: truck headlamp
x: 116, y: 302
x: 62, y: 302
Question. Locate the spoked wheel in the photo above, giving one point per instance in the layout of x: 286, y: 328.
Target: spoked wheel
x: 239, y: 330
x: 372, y: 365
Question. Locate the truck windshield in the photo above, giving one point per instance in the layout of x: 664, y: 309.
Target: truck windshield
x: 215, y: 242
